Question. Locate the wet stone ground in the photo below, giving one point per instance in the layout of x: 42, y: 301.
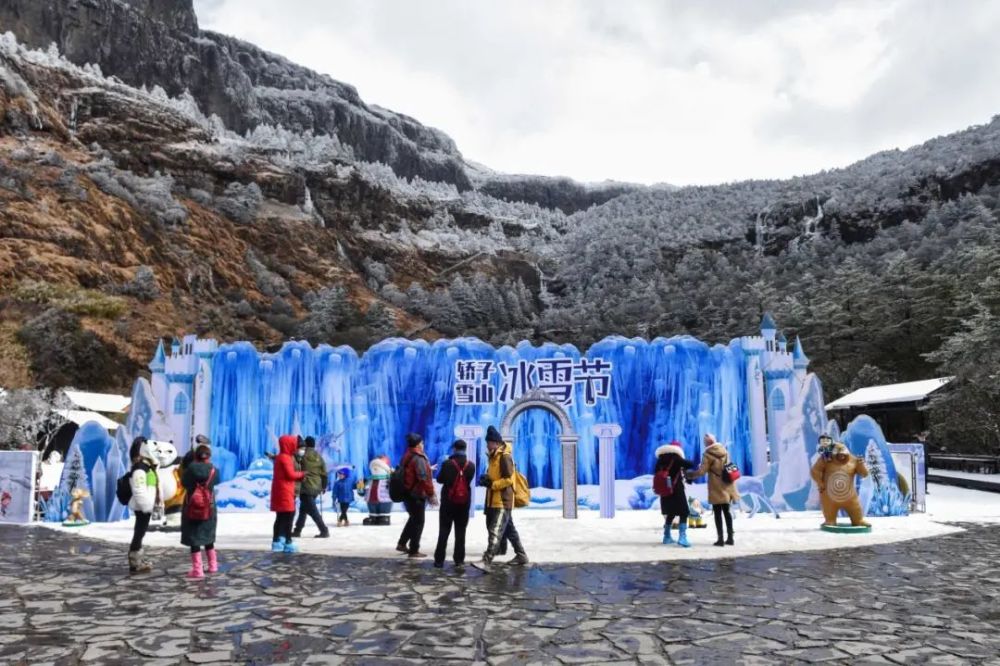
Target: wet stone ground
x: 67, y: 600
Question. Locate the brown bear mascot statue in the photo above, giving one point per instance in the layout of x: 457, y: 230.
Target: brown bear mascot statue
x: 834, y: 474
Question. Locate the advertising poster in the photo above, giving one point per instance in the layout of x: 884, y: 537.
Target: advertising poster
x: 17, y: 486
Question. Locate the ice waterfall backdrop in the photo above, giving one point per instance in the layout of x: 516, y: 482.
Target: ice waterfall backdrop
x: 676, y: 388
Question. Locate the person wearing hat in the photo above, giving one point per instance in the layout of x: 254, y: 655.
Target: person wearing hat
x: 721, y: 493
x: 344, y: 493
x: 670, y: 458
x: 313, y: 485
x: 418, y: 480
x: 283, y: 482
x: 499, y: 506
x: 455, y: 477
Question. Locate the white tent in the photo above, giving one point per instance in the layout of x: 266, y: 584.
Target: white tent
x: 81, y: 416
x: 889, y: 393
x: 107, y: 403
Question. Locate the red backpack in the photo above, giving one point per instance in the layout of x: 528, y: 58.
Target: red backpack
x: 199, y: 503
x: 458, y: 491
x: 663, y: 482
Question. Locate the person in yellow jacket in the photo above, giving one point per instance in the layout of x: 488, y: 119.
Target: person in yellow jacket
x: 499, y: 484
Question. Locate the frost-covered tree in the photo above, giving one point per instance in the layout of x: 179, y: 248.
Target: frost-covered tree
x: 330, y: 312
x: 380, y: 322
x: 30, y: 417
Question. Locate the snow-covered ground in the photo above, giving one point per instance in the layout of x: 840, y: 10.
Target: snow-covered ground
x: 976, y: 476
x: 632, y: 536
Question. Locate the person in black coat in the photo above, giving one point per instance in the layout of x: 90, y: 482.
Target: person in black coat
x: 455, y: 470
x: 198, y: 534
x: 670, y: 457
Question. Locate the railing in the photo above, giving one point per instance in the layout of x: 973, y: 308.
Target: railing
x: 965, y: 463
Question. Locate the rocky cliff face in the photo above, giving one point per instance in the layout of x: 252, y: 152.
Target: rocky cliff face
x: 155, y: 43
x: 128, y: 216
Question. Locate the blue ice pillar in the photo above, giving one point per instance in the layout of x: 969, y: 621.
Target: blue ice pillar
x: 753, y: 347
x: 606, y: 434
x: 471, y: 434
x: 204, y: 351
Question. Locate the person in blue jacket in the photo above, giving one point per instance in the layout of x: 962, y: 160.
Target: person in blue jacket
x: 343, y: 492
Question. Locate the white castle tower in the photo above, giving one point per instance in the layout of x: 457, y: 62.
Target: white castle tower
x: 776, y: 363
x: 800, y: 365
x: 185, y: 402
x: 158, y: 378
x: 205, y: 351
x: 753, y: 347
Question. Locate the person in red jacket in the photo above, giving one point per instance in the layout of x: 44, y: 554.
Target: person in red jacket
x: 418, y: 479
x: 283, y: 494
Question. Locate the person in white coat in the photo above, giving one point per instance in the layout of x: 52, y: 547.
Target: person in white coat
x: 145, y: 496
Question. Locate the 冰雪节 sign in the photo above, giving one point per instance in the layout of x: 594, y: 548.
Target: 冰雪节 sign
x: 485, y: 382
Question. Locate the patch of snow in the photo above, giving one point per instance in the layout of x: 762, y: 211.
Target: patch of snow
x: 632, y: 536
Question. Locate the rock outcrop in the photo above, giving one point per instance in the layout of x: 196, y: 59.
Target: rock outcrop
x: 155, y: 43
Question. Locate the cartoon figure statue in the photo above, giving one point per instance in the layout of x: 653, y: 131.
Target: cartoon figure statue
x: 695, y: 513
x: 171, y: 491
x: 376, y: 493
x: 835, y: 479
x: 76, y: 517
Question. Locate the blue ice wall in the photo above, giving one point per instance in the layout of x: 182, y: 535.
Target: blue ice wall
x: 362, y: 407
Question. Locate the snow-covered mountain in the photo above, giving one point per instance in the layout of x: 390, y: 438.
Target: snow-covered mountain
x: 157, y: 179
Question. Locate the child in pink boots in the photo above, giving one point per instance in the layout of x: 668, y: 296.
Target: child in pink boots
x: 199, y: 516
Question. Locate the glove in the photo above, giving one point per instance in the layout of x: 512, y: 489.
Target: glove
x: 485, y: 481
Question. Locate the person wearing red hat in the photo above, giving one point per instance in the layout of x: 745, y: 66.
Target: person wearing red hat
x: 283, y: 494
x: 670, y: 460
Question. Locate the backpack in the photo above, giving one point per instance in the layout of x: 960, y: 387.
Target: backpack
x: 522, y: 494
x: 458, y: 491
x: 397, y: 484
x: 123, y: 490
x: 663, y: 482
x: 730, y: 472
x: 199, y: 503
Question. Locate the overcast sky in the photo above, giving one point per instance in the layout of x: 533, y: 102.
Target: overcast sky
x: 650, y: 90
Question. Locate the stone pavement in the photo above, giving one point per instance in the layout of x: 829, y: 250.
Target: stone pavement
x: 68, y: 600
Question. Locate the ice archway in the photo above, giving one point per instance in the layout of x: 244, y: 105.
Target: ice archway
x: 538, y: 399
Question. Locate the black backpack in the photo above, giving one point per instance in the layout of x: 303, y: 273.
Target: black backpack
x: 123, y: 491
x: 397, y: 486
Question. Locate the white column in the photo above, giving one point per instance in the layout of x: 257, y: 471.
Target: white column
x: 471, y: 435
x: 606, y: 434
x: 569, y: 476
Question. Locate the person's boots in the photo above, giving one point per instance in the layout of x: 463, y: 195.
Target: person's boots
x: 719, y: 541
x: 682, y: 540
x: 146, y: 562
x: 278, y: 545
x: 521, y: 559
x: 729, y: 541
x: 291, y: 547
x: 667, y: 539
x: 213, y: 561
x: 135, y: 563
x: 196, y: 571
x: 297, y: 532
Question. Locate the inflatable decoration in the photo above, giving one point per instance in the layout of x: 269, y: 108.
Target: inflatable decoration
x: 834, y: 473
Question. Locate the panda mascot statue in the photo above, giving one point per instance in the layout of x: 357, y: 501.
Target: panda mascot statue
x: 167, y: 515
